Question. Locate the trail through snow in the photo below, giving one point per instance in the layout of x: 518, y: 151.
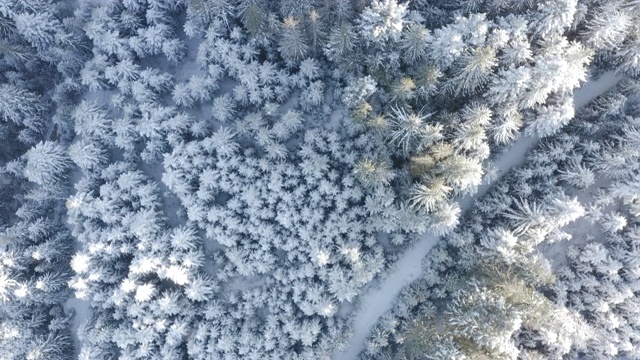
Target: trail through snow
x: 380, y: 297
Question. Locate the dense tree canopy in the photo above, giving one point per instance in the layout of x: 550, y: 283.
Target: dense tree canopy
x: 225, y: 178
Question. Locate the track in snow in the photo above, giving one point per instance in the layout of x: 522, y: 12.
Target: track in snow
x: 408, y: 268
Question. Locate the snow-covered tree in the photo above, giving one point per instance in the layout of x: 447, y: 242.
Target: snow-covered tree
x: 550, y: 119
x: 46, y: 163
x: 414, y: 42
x: 293, y: 44
x: 382, y: 21
x: 92, y: 121
x: 341, y: 43
x: 592, y: 284
x: 608, y: 27
x: 613, y: 222
x: 429, y: 196
x: 482, y: 313
x: 39, y: 29
x: 410, y: 132
x: 223, y: 108
x: 554, y: 17
x: 577, y: 174
x: 87, y: 154
x: 18, y: 105
x: 471, y: 71
x: 208, y: 10
x: 373, y: 173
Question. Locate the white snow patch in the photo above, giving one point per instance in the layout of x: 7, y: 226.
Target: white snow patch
x: 82, y: 311
x: 594, y: 88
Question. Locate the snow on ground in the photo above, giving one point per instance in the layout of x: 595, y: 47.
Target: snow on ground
x: 81, y: 311
x: 594, y: 88
x: 79, y: 308
x: 380, y: 298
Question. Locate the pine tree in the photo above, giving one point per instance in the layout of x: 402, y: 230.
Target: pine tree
x: 550, y: 119
x: 511, y: 6
x: 182, y: 95
x: 613, y: 222
x: 92, y: 121
x: 174, y: 50
x: 341, y: 43
x: 295, y: 8
x: 414, y: 42
x: 509, y: 86
x: 373, y: 173
x: 554, y: 17
x: 223, y: 108
x: 87, y: 154
x: 430, y: 195
x: 463, y: 174
x: 358, y: 91
x: 470, y: 136
x: 444, y: 218
x: 18, y: 105
x: 382, y: 21
x: 507, y: 125
x: 255, y: 17
x: 46, y: 163
x: 38, y: 29
x: 340, y: 11
x: 289, y: 123
x: 15, y: 52
x: 629, y: 56
x: 208, y: 10
x: 490, y: 302
x: 607, y: 29
x: 53, y: 346
x: 201, y: 87
x: 315, y: 32
x: 563, y: 210
x: 428, y: 80
x: 293, y: 44
x: 312, y: 96
x: 410, y: 132
x: 471, y: 71
x: 575, y: 173
x: 403, y: 90
x: 526, y: 215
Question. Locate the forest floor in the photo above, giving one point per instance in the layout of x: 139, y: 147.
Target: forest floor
x: 380, y: 296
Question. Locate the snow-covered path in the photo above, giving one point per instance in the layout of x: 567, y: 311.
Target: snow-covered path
x: 380, y: 297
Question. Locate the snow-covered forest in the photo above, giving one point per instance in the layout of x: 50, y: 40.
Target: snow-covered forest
x: 319, y: 179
